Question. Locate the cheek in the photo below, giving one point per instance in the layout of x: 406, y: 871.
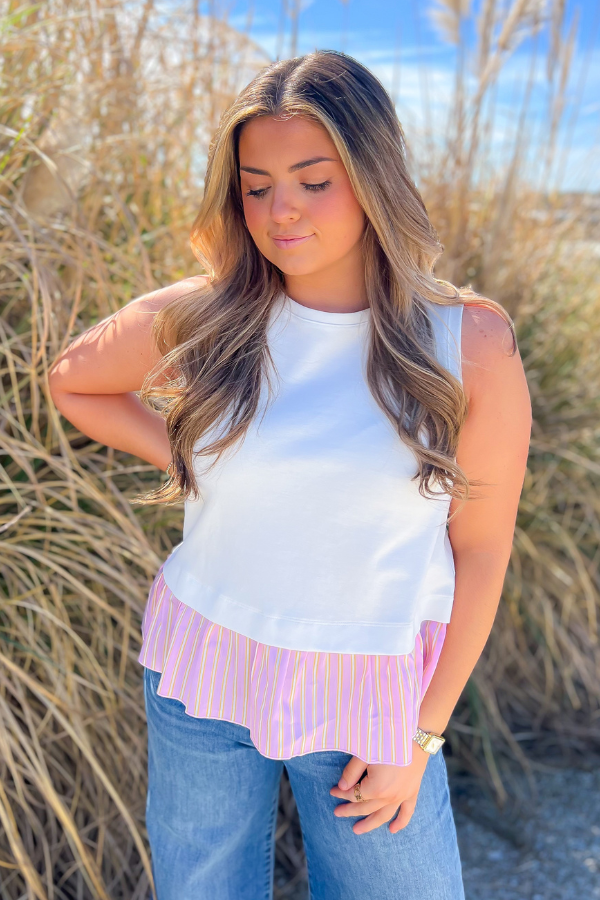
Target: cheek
x: 341, y: 215
x: 256, y: 218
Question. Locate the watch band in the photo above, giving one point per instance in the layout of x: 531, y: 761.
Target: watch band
x: 428, y: 740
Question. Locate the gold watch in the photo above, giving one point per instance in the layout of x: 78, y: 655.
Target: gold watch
x: 428, y: 740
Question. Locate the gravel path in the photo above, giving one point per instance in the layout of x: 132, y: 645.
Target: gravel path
x: 550, y: 851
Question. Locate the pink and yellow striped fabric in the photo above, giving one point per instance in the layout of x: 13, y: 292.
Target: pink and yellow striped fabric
x: 293, y: 702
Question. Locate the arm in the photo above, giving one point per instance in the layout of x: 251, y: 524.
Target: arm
x: 493, y: 448
x: 93, y: 383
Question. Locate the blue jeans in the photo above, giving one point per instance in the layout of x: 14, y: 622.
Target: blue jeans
x: 211, y: 812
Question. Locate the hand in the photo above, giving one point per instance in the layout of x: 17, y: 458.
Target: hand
x: 386, y: 788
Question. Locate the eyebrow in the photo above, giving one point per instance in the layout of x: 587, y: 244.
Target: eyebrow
x: 294, y: 168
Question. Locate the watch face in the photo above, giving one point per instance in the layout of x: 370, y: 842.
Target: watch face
x: 433, y: 743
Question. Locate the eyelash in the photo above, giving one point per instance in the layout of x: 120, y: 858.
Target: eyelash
x: 309, y: 187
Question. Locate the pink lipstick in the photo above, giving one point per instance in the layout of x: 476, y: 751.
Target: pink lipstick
x: 291, y: 240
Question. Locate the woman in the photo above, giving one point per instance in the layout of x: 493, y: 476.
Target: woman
x: 325, y: 404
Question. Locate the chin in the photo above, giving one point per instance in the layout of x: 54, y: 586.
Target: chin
x: 296, y: 267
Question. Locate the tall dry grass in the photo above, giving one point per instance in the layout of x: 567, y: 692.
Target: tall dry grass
x: 106, y: 115
x: 509, y: 231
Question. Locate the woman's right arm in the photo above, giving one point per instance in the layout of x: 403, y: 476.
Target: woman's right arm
x: 93, y: 382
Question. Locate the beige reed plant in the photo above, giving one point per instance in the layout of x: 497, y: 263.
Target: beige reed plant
x: 105, y: 118
x: 510, y: 232
x: 106, y: 115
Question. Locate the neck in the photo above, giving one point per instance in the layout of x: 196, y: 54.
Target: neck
x: 340, y: 288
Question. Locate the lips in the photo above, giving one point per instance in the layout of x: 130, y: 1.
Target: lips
x: 291, y: 241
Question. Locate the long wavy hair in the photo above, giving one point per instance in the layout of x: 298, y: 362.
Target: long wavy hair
x: 213, y: 340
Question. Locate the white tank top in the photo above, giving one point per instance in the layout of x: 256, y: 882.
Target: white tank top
x: 310, y: 534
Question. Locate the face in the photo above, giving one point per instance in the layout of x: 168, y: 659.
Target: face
x: 299, y: 205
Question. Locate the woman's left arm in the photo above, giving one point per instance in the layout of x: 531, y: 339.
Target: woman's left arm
x: 493, y: 448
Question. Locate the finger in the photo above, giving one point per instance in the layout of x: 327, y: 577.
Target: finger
x: 344, y: 795
x: 370, y: 788
x: 407, y: 808
x: 352, y: 773
x: 344, y: 810
x: 349, y: 794
x: 375, y: 819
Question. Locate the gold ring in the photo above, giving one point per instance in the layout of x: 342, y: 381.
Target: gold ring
x: 358, y: 794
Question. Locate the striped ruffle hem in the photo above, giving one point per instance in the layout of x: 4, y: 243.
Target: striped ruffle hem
x: 293, y: 702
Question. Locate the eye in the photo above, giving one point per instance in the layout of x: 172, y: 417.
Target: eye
x: 260, y: 192
x: 317, y: 187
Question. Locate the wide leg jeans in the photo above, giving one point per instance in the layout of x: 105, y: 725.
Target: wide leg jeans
x: 211, y: 813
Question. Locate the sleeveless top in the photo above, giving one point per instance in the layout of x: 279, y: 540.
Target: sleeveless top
x: 294, y: 701
x: 310, y: 534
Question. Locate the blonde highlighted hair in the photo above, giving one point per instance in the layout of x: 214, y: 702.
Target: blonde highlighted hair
x: 215, y: 338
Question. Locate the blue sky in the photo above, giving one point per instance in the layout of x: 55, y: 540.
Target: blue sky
x: 403, y: 47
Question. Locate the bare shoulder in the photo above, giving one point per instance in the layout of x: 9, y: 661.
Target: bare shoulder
x: 486, y: 335
x: 133, y: 322
x: 156, y: 300
x: 115, y: 355
x: 490, y: 354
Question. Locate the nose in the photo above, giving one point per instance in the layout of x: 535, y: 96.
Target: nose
x: 283, y: 205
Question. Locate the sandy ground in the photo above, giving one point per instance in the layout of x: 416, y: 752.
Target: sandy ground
x: 544, y: 849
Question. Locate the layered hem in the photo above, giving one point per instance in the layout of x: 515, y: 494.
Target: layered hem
x: 353, y: 637
x: 292, y: 701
